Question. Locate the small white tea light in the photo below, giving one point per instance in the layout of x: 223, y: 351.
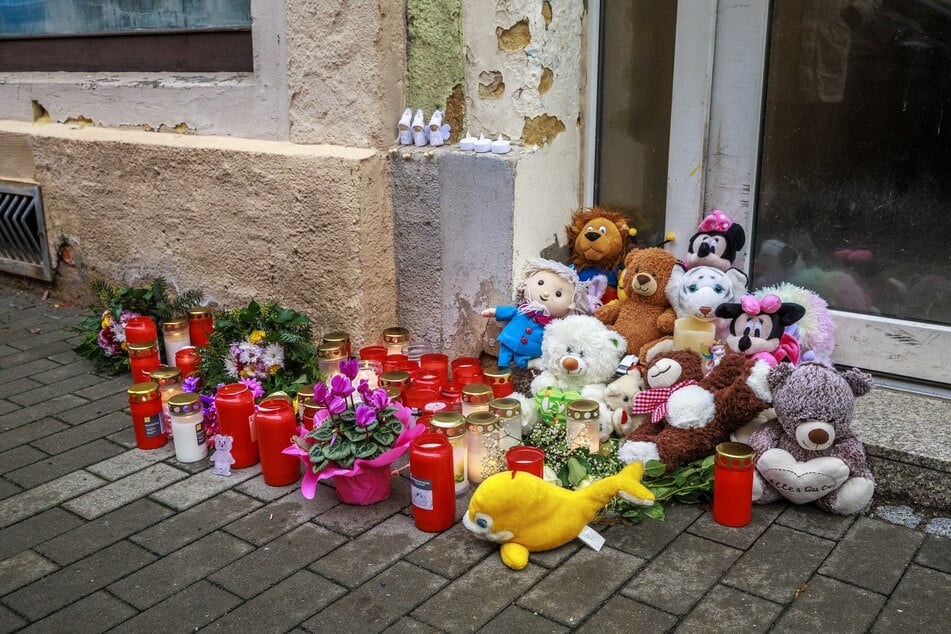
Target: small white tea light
x: 482, y: 144
x: 468, y: 143
x: 501, y: 146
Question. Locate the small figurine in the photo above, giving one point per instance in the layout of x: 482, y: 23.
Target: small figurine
x: 222, y: 456
x: 716, y: 243
x: 549, y: 290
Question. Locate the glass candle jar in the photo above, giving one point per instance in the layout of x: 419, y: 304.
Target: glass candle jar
x: 145, y: 403
x: 484, y: 453
x: 392, y: 361
x: 370, y: 370
x: 329, y: 356
x: 527, y: 459
x: 170, y: 383
x: 374, y: 353
x: 509, y: 411
x: 413, y: 351
x: 396, y: 380
x: 435, y: 362
x: 189, y: 429
x: 466, y: 374
x: 176, y: 336
x: 201, y: 323
x: 451, y: 393
x: 275, y: 423
x: 308, y: 409
x: 431, y: 482
x: 500, y: 380
x: 582, y: 415
x: 143, y: 358
x: 340, y: 338
x: 188, y: 361
x: 416, y: 399
x: 140, y: 329
x: 475, y: 398
x: 733, y: 484
x: 428, y: 379
x: 304, y: 392
x: 235, y: 405
x: 453, y: 426
x: 394, y: 339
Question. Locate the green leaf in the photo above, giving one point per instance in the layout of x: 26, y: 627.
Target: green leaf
x: 576, y: 471
x: 368, y: 450
x: 324, y: 432
x: 655, y: 511
x: 707, y: 463
x: 337, y: 452
x: 654, y: 468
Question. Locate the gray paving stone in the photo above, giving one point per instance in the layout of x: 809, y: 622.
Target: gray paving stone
x: 256, y: 488
x: 559, y: 596
x: 19, y: 457
x: 67, y: 371
x: 778, y: 563
x: 127, y: 462
x: 108, y: 387
x: 201, y: 486
x: 554, y: 557
x: 52, y: 467
x: 172, y: 573
x: 650, y: 537
x: 733, y: 609
x: 65, y: 357
x: 679, y: 577
x: 40, y: 498
x: 26, y: 369
x: 185, y: 527
x: 408, y: 624
x: 873, y: 555
x: 365, y: 556
x: 24, y: 358
x: 280, y: 516
x: 46, y: 336
x: 95, y: 409
x: 87, y: 432
x: 811, y: 519
x: 56, y: 407
x: 28, y: 433
x: 482, y: 589
x: 281, y: 607
x: 35, y: 529
x: 75, y: 581
x: 920, y: 603
x: 17, y: 386
x: 9, y: 622
x: 453, y: 552
x: 23, y: 568
x: 619, y: 612
x: 50, y: 393
x: 191, y: 609
x: 86, y: 539
x: 126, y: 438
x: 276, y: 560
x: 935, y: 553
x: 515, y: 619
x: 192, y: 467
x: 116, y: 494
x: 741, y: 538
x: 14, y: 419
x: 831, y: 606
x: 8, y: 489
x: 353, y: 520
x: 96, y: 613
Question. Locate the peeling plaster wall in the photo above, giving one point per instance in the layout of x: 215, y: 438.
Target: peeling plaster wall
x: 308, y: 226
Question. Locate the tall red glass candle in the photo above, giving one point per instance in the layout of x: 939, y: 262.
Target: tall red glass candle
x: 435, y: 362
x: 145, y: 403
x: 733, y: 484
x: 373, y: 353
x: 140, y: 329
x: 451, y: 393
x: 188, y: 361
x: 275, y: 423
x: 201, y: 324
x: 527, y: 459
x: 235, y: 405
x: 143, y: 358
x: 432, y: 483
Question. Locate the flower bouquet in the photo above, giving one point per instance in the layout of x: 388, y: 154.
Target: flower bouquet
x: 353, y: 441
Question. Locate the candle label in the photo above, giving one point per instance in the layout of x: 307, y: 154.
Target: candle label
x: 200, y: 433
x: 153, y: 425
x: 422, y: 492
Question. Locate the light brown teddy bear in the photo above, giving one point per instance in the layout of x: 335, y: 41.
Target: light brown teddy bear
x: 644, y: 317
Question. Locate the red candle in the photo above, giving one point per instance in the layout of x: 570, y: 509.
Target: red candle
x: 392, y: 360
x: 140, y: 329
x: 428, y: 379
x: 373, y: 353
x: 308, y: 409
x: 235, y: 405
x: 188, y: 360
x: 733, y: 484
x: 432, y: 483
x: 143, y: 358
x: 500, y: 380
x: 145, y: 403
x: 527, y: 459
x: 466, y: 374
x: 410, y: 367
x: 451, y: 393
x: 416, y: 399
x: 438, y: 363
x: 462, y: 362
x: 201, y: 324
x: 275, y: 423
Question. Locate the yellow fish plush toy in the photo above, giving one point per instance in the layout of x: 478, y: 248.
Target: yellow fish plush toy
x: 525, y: 513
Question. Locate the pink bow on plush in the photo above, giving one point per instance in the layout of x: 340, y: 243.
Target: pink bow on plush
x: 754, y: 306
x: 717, y: 221
x: 654, y: 400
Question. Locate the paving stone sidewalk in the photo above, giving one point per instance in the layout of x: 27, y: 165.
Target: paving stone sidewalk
x: 97, y: 535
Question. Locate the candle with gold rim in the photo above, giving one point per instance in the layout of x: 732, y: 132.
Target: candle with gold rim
x: 453, y: 426
x: 341, y: 338
x: 484, y: 453
x: 509, y: 411
x: 475, y: 398
x: 329, y: 356
x: 500, y: 380
x: 176, y: 336
x: 582, y: 424
x: 394, y: 339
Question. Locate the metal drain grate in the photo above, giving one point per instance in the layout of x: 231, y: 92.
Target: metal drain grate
x: 23, y: 247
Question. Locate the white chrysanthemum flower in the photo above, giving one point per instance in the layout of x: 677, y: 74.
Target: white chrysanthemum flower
x: 248, y: 352
x: 272, y: 355
x: 231, y: 367
x: 118, y: 332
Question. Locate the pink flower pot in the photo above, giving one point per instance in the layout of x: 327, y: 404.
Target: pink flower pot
x: 369, y: 486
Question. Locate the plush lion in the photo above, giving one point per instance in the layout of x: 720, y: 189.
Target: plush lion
x: 598, y: 239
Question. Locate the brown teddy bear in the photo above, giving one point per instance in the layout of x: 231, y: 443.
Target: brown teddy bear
x: 598, y: 239
x: 645, y: 316
x: 690, y: 414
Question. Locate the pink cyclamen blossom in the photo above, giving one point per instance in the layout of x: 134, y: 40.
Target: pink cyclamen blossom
x: 350, y: 368
x: 365, y: 415
x: 341, y: 386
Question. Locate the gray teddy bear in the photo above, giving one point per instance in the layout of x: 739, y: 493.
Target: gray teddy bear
x: 809, y: 452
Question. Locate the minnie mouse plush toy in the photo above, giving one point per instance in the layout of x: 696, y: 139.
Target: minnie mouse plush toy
x: 716, y: 243
x: 758, y: 328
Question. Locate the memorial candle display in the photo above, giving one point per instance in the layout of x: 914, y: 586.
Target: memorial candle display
x: 394, y: 339
x: 453, y: 426
x: 145, y: 404
x: 431, y: 482
x: 329, y: 356
x: 170, y: 383
x: 509, y: 411
x: 451, y: 393
x: 527, y: 459
x: 416, y: 399
x: 369, y: 369
x: 304, y: 392
x: 475, y: 398
x: 235, y: 405
x: 397, y: 380
x: 374, y: 353
x: 437, y: 363
x: 340, y: 338
x: 189, y: 431
x: 582, y: 424
x: 140, y: 329
x: 484, y: 453
x: 500, y: 380
x: 275, y: 423
x: 176, y: 336
x: 188, y: 361
x: 733, y: 484
x: 308, y: 409
x: 201, y: 323
x: 143, y: 358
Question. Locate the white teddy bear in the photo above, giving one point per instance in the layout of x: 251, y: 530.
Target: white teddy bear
x: 619, y: 396
x: 579, y: 353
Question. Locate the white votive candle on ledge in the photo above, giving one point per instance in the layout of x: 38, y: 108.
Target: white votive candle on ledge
x: 501, y: 146
x: 467, y: 143
x: 482, y: 144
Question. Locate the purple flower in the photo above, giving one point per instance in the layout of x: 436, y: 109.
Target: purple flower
x: 363, y: 388
x: 350, y: 368
x: 255, y: 386
x: 336, y: 405
x: 341, y: 386
x: 365, y: 415
x: 403, y: 414
x: 321, y: 393
x: 379, y: 399
x: 190, y: 384
x: 320, y: 416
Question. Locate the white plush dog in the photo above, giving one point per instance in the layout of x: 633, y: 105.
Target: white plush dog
x: 698, y: 291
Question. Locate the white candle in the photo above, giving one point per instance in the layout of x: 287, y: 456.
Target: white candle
x: 189, y: 432
x: 482, y: 144
x: 176, y: 338
x: 501, y: 146
x: 582, y: 425
x: 467, y: 143
x: 484, y: 453
x: 509, y: 411
x: 453, y: 426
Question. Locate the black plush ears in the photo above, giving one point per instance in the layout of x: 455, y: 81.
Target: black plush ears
x: 789, y: 313
x: 735, y: 236
x: 729, y: 310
